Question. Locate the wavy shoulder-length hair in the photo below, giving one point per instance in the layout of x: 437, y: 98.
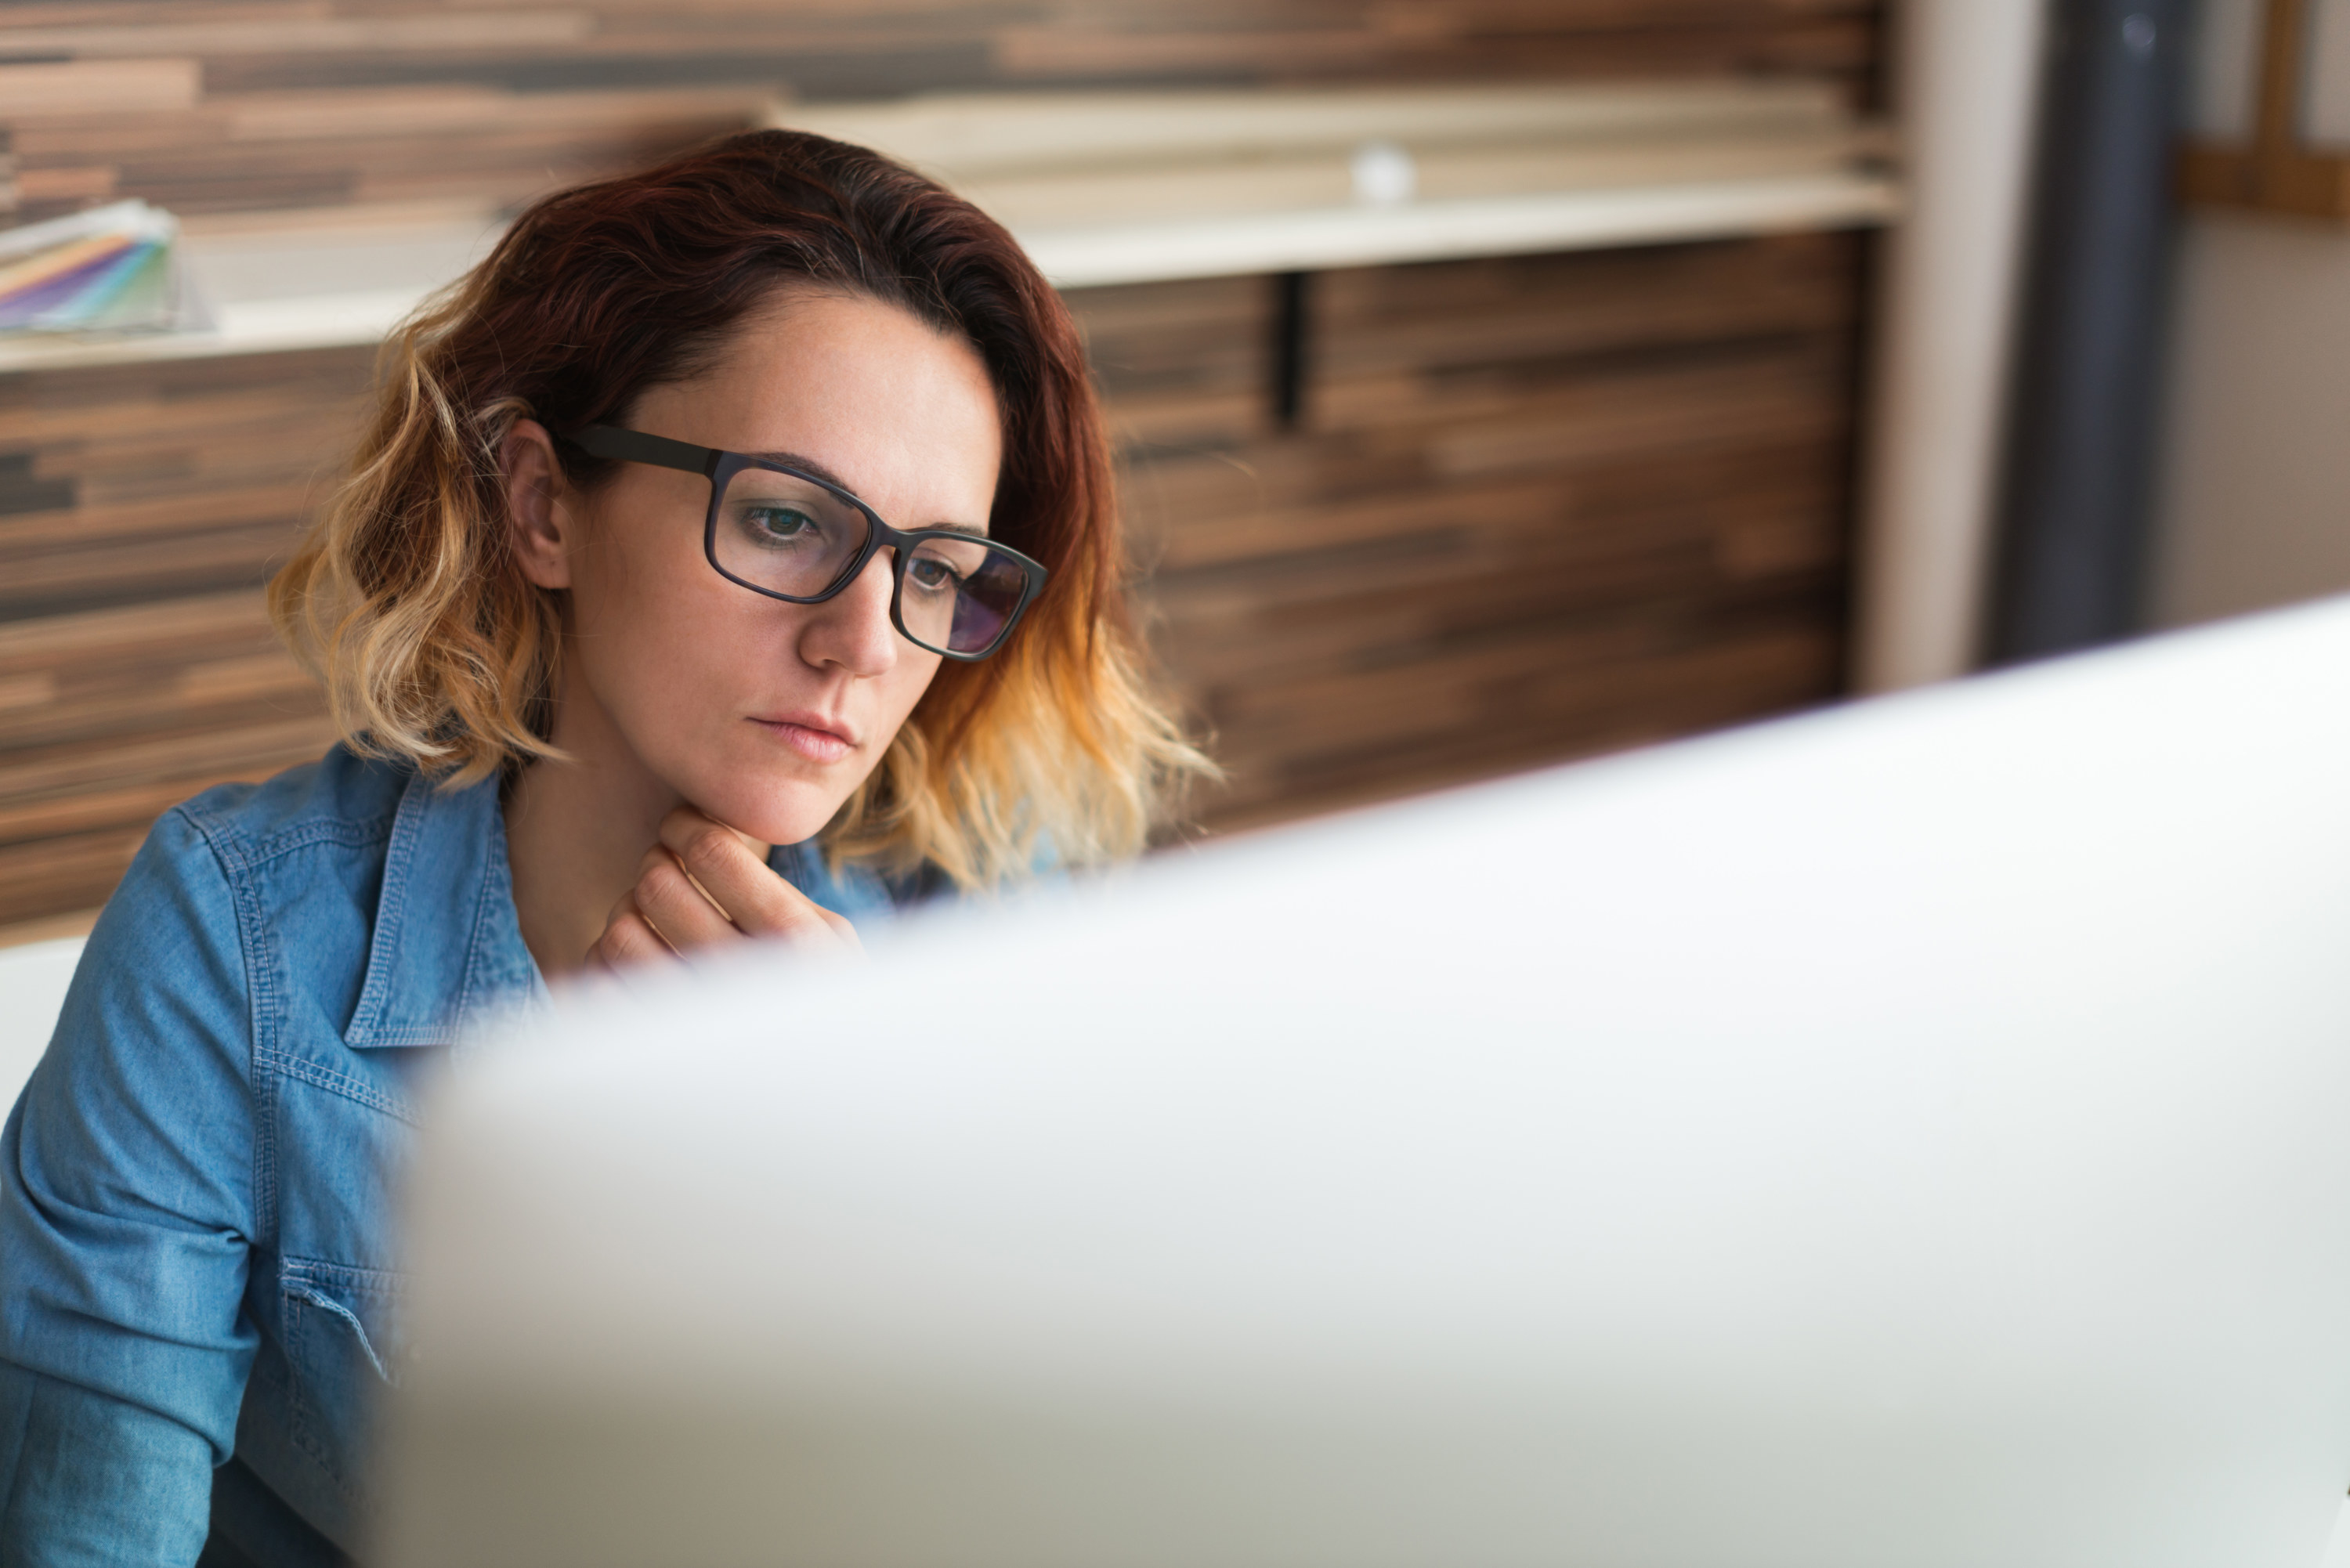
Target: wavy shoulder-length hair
x: 404, y: 598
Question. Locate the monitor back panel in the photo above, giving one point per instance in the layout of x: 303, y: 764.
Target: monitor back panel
x: 1918, y: 1135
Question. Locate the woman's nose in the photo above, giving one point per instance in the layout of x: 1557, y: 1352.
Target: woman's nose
x: 851, y: 630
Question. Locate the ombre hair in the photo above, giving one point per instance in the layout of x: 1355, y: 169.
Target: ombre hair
x: 406, y: 601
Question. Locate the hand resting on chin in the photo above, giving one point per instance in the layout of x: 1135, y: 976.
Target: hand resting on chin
x: 705, y: 885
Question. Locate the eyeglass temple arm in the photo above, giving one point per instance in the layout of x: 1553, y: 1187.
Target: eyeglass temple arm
x: 635, y: 446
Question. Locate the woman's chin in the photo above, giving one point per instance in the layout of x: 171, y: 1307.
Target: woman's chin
x: 786, y: 813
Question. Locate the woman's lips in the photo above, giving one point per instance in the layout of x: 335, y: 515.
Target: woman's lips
x: 816, y: 742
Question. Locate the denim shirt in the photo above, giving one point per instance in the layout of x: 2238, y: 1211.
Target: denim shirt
x: 197, y: 1267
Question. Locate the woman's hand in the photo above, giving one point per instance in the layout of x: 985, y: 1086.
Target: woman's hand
x: 705, y: 884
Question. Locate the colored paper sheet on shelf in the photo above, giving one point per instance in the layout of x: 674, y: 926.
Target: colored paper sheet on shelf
x: 113, y: 269
x: 44, y: 268
x: 141, y: 287
x: 70, y: 298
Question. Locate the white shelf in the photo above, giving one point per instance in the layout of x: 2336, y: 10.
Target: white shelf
x: 303, y: 318
x: 1441, y: 231
x: 249, y: 327
x: 320, y: 285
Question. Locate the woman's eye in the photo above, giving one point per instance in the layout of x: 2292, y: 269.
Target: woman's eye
x: 780, y: 524
x: 930, y: 573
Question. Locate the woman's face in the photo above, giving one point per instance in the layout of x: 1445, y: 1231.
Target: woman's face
x: 765, y: 715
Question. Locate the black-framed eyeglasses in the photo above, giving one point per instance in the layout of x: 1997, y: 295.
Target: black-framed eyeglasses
x: 796, y: 537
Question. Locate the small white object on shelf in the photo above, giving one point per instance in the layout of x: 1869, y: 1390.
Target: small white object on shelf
x: 1385, y: 175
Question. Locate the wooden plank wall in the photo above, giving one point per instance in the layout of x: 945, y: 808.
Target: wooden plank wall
x: 140, y: 508
x: 219, y: 105
x: 1533, y: 508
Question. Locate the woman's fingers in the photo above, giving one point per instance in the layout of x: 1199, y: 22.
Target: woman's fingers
x: 738, y: 879
x: 627, y: 938
x: 841, y: 927
x: 678, y: 910
x: 705, y: 884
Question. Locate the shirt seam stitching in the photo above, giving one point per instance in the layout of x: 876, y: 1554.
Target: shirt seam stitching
x: 391, y: 912
x: 345, y: 832
x: 353, y: 1276
x: 342, y: 1083
x: 226, y: 847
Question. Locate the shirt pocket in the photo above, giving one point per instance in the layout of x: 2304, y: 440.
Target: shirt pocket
x: 343, y: 1346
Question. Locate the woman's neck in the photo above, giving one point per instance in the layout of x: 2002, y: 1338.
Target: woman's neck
x: 576, y: 834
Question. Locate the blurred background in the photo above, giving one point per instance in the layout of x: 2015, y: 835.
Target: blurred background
x: 1496, y: 381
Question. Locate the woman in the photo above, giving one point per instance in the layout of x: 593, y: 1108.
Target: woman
x: 732, y: 554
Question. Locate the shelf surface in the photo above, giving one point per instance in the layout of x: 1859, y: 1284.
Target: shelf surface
x: 1446, y: 231
x: 253, y: 320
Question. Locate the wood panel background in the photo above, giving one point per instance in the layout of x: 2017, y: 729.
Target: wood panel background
x: 1535, y: 509
x: 1532, y: 509
x: 141, y: 510
x: 230, y: 104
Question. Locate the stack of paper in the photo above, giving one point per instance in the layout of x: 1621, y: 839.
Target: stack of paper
x: 110, y: 269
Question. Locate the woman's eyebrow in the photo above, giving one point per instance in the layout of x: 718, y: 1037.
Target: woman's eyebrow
x: 809, y: 465
x: 805, y: 465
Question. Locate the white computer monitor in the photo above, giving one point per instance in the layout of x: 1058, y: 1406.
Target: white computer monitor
x: 1914, y: 1135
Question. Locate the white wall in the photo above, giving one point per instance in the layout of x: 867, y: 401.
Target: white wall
x: 2255, y: 471
x: 33, y: 980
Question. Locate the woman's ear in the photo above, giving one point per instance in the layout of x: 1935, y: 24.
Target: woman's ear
x: 542, y: 528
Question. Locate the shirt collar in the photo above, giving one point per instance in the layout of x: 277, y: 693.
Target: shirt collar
x: 447, y: 944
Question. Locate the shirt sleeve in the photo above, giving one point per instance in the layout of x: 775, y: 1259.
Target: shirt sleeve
x: 127, y: 1191
x: 67, y: 1450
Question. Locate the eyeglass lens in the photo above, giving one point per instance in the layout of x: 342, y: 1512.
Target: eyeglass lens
x: 786, y: 534
x: 793, y: 537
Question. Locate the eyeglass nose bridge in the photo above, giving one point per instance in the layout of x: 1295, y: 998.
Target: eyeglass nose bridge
x: 881, y: 536
x: 718, y: 466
